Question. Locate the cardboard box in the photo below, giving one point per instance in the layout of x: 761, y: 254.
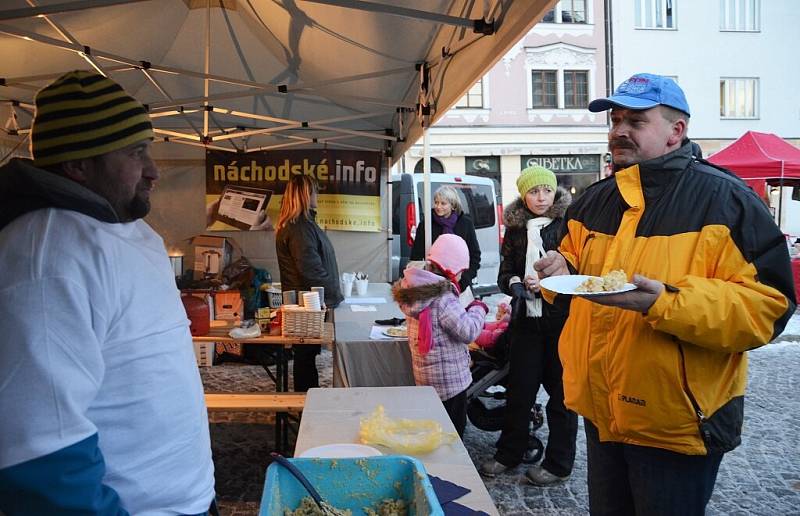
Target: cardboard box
x: 204, y: 352
x: 228, y: 305
x: 211, y: 255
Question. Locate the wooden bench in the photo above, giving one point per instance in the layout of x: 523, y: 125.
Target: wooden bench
x: 279, y: 402
x: 256, y: 401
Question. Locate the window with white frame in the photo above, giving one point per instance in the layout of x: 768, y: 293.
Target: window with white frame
x: 559, y: 89
x: 544, y: 85
x: 738, y: 98
x: 576, y: 89
x: 560, y: 77
x: 740, y: 15
x: 474, y: 97
x: 567, y: 11
x: 654, y: 14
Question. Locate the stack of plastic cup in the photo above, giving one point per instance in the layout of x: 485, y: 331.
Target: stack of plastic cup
x: 311, y: 301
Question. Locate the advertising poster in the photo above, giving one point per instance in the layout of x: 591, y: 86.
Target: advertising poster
x: 244, y: 191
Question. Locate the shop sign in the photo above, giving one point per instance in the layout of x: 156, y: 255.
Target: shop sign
x: 482, y: 165
x: 564, y: 163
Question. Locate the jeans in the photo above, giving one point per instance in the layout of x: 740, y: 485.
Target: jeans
x: 639, y: 480
x: 306, y: 375
x: 534, y: 361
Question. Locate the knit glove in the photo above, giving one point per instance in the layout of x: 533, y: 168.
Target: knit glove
x: 518, y: 305
x: 478, y: 302
x: 518, y: 290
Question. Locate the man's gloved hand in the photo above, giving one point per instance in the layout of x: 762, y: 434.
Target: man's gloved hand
x: 518, y: 305
x: 478, y: 302
x: 518, y: 290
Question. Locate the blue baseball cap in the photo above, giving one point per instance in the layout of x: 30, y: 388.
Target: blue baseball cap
x: 644, y: 91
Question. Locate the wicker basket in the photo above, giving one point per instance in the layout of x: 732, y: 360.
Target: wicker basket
x: 302, y: 323
x: 275, y: 298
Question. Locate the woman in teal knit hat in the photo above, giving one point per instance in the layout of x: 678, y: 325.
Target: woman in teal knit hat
x: 532, y: 228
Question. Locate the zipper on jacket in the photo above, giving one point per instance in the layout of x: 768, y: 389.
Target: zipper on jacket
x: 697, y: 410
x: 586, y: 241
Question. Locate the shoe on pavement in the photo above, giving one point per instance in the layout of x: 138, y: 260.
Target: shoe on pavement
x: 539, y: 476
x: 492, y: 468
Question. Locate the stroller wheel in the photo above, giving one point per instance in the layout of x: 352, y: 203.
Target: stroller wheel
x: 534, y: 452
x: 486, y: 419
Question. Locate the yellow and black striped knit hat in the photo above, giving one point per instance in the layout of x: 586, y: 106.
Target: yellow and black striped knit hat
x: 85, y: 114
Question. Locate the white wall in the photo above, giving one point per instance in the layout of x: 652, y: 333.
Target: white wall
x: 699, y: 54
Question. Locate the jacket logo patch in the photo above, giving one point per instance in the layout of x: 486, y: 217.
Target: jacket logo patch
x: 632, y: 400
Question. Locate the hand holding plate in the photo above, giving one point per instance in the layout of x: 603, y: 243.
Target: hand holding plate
x: 638, y: 300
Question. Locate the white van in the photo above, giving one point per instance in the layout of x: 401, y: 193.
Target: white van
x: 479, y: 200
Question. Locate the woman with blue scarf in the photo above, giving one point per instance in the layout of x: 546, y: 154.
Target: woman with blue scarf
x: 449, y: 218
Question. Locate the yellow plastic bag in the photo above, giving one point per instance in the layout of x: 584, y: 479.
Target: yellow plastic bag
x: 412, y: 436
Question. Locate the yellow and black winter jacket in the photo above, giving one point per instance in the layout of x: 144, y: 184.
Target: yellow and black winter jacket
x: 673, y: 378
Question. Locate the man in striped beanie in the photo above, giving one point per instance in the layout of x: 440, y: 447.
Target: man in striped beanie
x: 89, y: 130
x: 103, y: 406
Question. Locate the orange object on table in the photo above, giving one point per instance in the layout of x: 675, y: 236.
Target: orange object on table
x: 228, y: 305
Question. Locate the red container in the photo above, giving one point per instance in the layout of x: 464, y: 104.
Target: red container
x: 198, y: 314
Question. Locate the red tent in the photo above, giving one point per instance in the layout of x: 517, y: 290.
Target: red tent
x: 761, y: 158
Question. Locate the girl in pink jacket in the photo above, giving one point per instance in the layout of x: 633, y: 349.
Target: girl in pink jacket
x: 439, y: 328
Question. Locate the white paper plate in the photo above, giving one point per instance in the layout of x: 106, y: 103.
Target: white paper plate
x: 340, y: 451
x: 568, y: 284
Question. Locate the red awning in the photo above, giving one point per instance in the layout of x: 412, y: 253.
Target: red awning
x: 761, y: 157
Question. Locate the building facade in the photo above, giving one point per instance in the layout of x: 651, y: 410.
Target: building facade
x: 531, y: 107
x: 734, y: 59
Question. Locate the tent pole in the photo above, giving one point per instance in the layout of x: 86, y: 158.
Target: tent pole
x: 780, y: 200
x: 388, y: 218
x: 426, y: 189
x: 207, y: 67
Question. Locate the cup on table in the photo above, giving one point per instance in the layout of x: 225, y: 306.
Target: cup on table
x: 361, y: 287
x: 311, y: 301
x: 289, y: 297
x: 300, y: 294
x: 321, y: 292
x: 347, y: 287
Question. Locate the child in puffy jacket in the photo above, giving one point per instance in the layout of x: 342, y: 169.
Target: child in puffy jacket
x: 439, y: 328
x: 493, y: 329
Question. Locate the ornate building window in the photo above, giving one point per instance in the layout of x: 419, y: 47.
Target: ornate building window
x: 560, y: 76
x: 473, y: 99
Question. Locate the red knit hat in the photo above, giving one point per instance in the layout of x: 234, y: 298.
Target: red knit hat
x: 450, y: 253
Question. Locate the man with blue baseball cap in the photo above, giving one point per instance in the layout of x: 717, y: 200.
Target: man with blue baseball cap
x: 659, y: 372
x: 644, y: 91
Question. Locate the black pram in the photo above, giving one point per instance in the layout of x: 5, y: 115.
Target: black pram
x: 490, y: 368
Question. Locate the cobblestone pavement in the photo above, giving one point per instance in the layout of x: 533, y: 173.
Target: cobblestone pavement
x: 760, y: 477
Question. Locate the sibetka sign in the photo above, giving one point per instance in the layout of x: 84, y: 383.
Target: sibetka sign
x: 565, y: 163
x: 244, y: 191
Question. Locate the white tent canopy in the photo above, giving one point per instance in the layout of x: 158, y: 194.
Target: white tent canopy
x: 243, y: 75
x: 262, y: 74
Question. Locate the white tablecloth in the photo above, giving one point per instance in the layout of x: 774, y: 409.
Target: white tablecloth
x: 359, y: 361
x: 333, y: 415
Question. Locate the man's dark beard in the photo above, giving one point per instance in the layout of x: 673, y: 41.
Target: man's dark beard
x: 138, y: 208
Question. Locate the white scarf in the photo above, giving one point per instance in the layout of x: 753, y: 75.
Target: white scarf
x: 533, y: 253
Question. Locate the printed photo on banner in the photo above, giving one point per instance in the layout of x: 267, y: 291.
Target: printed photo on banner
x: 244, y: 191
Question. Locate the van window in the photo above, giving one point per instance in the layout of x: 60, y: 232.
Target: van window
x: 396, y: 213
x: 475, y: 199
